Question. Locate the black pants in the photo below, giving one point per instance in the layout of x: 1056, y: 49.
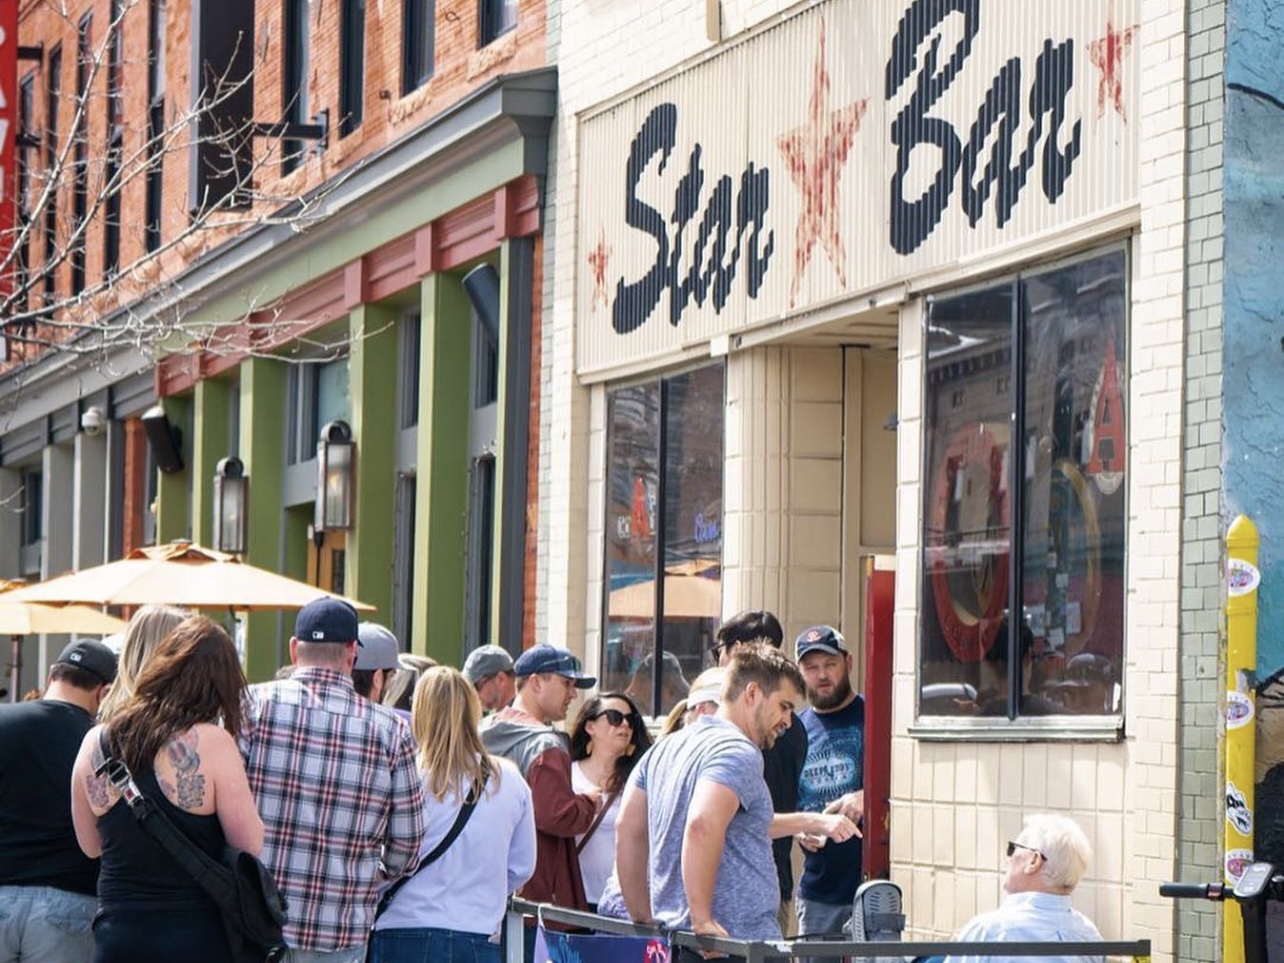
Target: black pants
x: 160, y: 934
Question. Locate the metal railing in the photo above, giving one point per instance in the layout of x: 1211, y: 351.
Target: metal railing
x: 758, y: 951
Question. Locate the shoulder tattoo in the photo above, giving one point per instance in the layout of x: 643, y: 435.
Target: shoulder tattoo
x: 97, y: 787
x: 187, y: 791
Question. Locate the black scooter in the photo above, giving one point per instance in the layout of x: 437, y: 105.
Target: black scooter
x: 1258, y: 884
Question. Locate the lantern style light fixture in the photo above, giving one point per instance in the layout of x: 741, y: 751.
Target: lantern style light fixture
x: 231, y: 503
x: 336, y: 475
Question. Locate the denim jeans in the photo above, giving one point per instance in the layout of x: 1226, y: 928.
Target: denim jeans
x: 351, y: 954
x: 40, y: 923
x: 431, y: 946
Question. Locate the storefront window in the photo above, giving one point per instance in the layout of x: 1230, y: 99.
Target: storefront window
x: 1055, y: 463
x: 663, y: 534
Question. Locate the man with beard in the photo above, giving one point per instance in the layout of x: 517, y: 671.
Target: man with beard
x: 693, y: 840
x: 832, y: 779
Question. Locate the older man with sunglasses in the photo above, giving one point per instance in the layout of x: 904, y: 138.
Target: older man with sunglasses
x: 1044, y: 865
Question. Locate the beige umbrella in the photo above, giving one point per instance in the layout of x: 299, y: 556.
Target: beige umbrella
x: 685, y: 596
x: 178, y: 573
x: 31, y: 618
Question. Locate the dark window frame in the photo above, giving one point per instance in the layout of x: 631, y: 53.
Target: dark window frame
x: 154, y: 186
x: 418, y: 44
x: 296, y: 39
x: 80, y: 150
x: 494, y: 20
x: 352, y: 65
x: 25, y: 142
x: 53, y: 97
x: 115, y: 141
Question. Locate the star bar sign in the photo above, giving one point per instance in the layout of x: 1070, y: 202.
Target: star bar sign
x: 815, y: 155
x: 1107, y: 54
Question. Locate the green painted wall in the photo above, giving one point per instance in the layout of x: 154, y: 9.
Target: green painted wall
x: 442, y: 472
x: 174, y: 491
x: 262, y: 447
x: 372, y: 374
x: 210, y: 443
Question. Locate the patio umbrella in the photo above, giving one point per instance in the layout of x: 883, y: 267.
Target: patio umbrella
x: 31, y: 618
x: 685, y: 596
x: 177, y: 573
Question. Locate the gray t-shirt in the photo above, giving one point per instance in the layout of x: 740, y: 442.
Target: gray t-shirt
x: 747, y: 893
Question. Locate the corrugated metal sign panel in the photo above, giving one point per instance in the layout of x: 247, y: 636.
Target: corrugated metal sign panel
x: 852, y: 146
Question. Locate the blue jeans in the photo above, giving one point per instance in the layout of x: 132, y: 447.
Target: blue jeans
x: 352, y: 954
x: 431, y: 946
x: 45, y: 924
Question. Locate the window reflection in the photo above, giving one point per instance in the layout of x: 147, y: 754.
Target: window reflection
x: 1064, y: 561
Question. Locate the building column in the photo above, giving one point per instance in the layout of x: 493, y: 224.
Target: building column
x: 263, y: 399
x: 441, y: 492
x: 210, y: 442
x: 89, y: 501
x: 10, y: 523
x: 372, y: 367
x: 57, y: 555
x: 174, y: 489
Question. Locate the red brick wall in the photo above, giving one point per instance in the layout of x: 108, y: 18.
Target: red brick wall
x: 460, y: 68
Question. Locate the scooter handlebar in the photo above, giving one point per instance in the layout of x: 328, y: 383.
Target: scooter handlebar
x: 1191, y: 890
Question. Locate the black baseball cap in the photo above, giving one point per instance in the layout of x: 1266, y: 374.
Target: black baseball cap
x: 94, y: 657
x: 327, y: 619
x: 820, y: 638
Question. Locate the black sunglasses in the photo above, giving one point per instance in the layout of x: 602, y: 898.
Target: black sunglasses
x: 1014, y: 846
x: 615, y: 717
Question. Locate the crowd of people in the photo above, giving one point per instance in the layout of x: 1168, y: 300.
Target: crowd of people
x: 399, y: 803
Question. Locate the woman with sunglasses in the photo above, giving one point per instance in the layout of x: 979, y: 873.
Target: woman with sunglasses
x: 606, y: 742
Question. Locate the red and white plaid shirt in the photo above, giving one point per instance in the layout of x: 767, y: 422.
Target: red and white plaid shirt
x: 335, y: 781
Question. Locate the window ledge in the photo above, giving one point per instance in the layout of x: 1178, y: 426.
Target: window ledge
x: 1042, y: 729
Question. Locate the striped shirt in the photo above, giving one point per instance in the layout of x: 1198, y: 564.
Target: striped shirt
x: 335, y: 781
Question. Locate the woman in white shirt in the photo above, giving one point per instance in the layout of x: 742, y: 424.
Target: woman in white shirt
x: 607, y: 740
x: 451, y: 909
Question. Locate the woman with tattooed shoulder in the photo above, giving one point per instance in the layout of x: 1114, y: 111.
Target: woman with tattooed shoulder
x: 177, y: 734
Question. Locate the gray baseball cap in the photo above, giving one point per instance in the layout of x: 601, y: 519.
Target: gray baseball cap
x: 485, y: 661
x: 378, y: 649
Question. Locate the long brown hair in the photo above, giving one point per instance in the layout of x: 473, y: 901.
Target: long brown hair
x: 445, y: 717
x: 194, y: 676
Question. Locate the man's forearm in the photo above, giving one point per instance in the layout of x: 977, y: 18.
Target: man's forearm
x: 632, y: 856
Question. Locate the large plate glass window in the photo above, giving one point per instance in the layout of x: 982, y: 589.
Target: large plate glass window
x: 1024, y: 496
x: 663, y: 534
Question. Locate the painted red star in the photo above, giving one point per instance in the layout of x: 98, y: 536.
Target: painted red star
x: 598, y: 260
x: 815, y: 155
x: 1107, y: 55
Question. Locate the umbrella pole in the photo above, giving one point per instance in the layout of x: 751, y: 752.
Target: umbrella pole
x: 15, y: 666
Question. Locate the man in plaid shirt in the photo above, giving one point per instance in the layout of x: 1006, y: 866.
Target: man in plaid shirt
x: 335, y: 781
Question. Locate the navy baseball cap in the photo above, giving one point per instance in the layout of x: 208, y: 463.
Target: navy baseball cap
x: 552, y: 658
x: 326, y: 619
x: 820, y: 638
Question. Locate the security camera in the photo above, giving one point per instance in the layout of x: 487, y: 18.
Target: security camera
x: 93, y: 421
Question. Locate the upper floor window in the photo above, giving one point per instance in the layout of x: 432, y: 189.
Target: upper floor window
x: 115, y: 138
x: 497, y: 17
x: 80, y: 159
x: 352, y: 65
x: 53, y: 95
x: 418, y: 35
x: 26, y: 140
x: 154, y: 182
x: 294, y: 91
x: 1024, y: 489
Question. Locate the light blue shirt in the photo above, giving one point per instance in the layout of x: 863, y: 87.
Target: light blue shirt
x: 467, y: 888
x: 1030, y: 918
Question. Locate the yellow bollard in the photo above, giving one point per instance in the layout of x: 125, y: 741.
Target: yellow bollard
x: 1242, y: 579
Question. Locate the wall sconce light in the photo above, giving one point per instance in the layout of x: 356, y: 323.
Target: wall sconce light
x: 481, y: 284
x: 231, y: 502
x: 165, y: 439
x: 336, y: 475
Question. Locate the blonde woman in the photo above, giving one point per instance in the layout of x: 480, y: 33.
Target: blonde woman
x: 150, y: 625
x: 450, y: 908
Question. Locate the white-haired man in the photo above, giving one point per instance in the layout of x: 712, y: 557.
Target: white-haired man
x: 1044, y: 865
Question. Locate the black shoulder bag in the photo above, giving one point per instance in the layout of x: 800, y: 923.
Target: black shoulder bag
x: 465, y: 811
x: 254, y: 911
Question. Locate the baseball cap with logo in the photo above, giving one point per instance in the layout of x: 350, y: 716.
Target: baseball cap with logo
x: 94, y: 657
x: 820, y: 638
x: 542, y: 658
x: 326, y: 619
x: 379, y: 648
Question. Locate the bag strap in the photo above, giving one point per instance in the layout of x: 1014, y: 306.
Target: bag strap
x: 597, y: 821
x: 209, y: 874
x: 461, y: 820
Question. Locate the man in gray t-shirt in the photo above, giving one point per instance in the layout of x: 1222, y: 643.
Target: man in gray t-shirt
x: 693, y: 840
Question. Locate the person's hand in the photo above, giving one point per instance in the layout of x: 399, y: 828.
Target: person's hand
x: 709, y: 928
x: 594, y: 794
x: 851, y: 805
x: 836, y: 826
x: 811, y: 842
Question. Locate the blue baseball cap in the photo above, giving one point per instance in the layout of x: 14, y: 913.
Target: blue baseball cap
x: 820, y: 638
x: 552, y: 658
x: 326, y: 619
